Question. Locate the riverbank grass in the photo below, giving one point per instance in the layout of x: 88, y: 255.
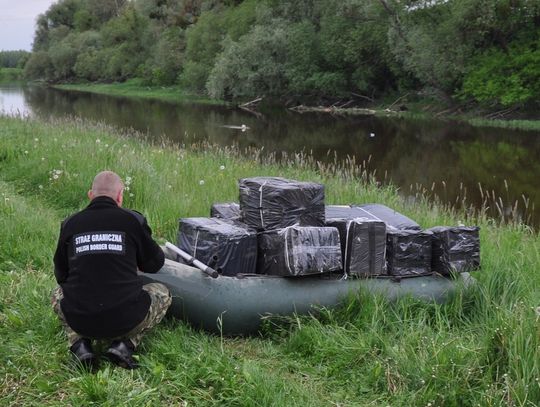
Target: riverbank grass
x: 427, y: 109
x: 483, y: 348
x: 135, y: 88
x: 10, y: 74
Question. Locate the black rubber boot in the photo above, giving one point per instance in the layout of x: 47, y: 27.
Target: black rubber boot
x: 84, y: 354
x: 121, y: 353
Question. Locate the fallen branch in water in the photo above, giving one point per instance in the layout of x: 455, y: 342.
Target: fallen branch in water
x: 251, y: 103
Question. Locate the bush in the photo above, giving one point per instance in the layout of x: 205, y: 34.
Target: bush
x: 505, y: 78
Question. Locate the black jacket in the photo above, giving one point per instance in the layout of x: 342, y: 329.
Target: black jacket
x: 96, y: 261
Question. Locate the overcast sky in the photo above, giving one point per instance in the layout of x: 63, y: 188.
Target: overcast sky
x: 18, y: 21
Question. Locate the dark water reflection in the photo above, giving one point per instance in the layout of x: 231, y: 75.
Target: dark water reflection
x: 445, y: 158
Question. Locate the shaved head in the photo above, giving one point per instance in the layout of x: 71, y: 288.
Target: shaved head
x: 107, y: 183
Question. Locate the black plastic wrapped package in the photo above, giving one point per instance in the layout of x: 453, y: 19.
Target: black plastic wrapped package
x: 268, y: 203
x: 379, y: 212
x: 408, y: 252
x: 299, y: 251
x: 228, y: 248
x: 455, y: 249
x: 363, y: 245
x: 228, y: 210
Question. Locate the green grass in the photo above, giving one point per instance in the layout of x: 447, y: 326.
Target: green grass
x: 483, y: 348
x: 134, y: 88
x: 10, y: 74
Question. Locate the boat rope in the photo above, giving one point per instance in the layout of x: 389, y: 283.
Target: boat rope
x: 195, y: 246
x: 287, y: 233
x: 260, y: 203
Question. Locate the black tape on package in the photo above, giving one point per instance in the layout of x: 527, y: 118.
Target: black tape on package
x: 455, y: 249
x: 268, y: 203
x: 408, y: 252
x: 379, y: 212
x: 229, y: 210
x: 228, y: 248
x: 299, y: 251
x: 363, y: 245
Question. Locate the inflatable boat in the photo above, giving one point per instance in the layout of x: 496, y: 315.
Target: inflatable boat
x: 236, y: 305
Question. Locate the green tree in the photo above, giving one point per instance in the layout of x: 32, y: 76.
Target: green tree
x: 254, y: 65
x: 506, y: 77
x: 204, y: 42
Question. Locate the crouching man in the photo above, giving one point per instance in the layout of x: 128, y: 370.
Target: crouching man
x: 100, y: 295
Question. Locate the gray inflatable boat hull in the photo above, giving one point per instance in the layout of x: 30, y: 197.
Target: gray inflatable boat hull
x: 235, y: 306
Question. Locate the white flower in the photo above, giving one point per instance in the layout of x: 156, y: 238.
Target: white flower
x: 537, y: 310
x: 201, y: 182
x: 55, y: 176
x: 169, y: 186
x: 128, y: 180
x: 40, y: 186
x: 221, y: 167
x: 36, y: 139
x: 26, y: 151
x: 131, y: 195
x: 42, y: 158
x: 98, y: 141
x: 106, y: 145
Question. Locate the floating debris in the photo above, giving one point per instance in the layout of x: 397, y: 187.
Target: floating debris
x: 243, y: 127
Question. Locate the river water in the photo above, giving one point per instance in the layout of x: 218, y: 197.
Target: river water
x: 454, y: 161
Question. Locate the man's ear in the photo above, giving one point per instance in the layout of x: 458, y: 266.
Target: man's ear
x: 120, y: 197
x: 90, y: 194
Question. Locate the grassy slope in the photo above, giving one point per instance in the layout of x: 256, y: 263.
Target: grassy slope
x: 135, y: 88
x: 481, y: 349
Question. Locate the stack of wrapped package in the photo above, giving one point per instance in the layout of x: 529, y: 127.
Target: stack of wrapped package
x: 363, y: 245
x: 455, y: 249
x: 408, y: 252
x: 289, y: 215
x: 299, y: 251
x: 226, y: 247
x: 282, y: 227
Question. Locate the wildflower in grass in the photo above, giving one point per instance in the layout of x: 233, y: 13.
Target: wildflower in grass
x: 42, y: 158
x: 98, y: 141
x: 169, y: 186
x: 26, y: 151
x: 221, y: 167
x: 537, y: 310
x: 40, y: 186
x: 36, y: 139
x: 201, y: 182
x: 131, y: 195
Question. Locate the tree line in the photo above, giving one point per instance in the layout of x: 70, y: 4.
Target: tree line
x: 13, y: 59
x: 485, y: 51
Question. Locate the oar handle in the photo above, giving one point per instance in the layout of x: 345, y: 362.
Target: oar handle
x: 192, y: 260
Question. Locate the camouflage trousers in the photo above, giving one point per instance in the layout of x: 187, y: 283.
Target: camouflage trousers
x: 160, y: 302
